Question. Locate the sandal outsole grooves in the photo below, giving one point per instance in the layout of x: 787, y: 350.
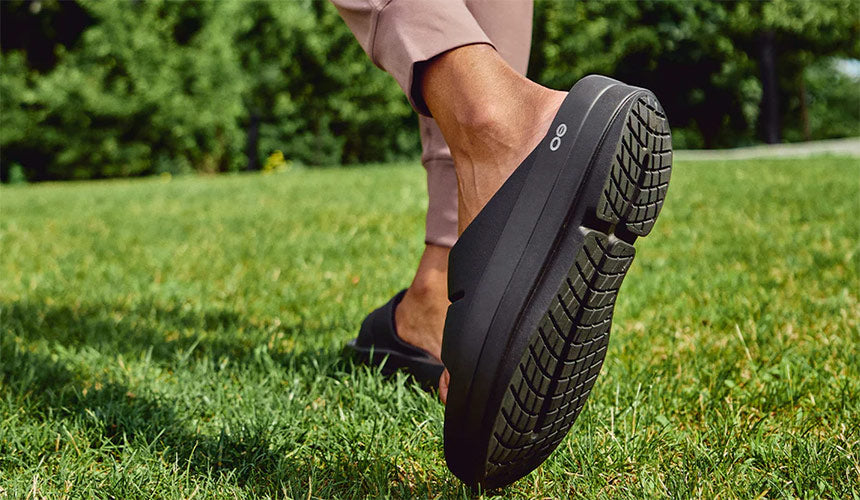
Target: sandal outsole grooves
x: 565, y: 351
x: 562, y: 361
x: 634, y: 192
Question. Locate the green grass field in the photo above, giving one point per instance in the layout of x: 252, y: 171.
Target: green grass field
x: 181, y: 338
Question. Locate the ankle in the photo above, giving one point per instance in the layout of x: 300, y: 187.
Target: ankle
x: 420, y: 317
x: 492, y: 110
x: 425, y: 289
x: 491, y: 118
x: 431, y: 278
x: 498, y: 126
x: 470, y: 89
x: 499, y: 139
x: 427, y: 294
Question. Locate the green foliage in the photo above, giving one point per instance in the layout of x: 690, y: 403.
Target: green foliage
x: 699, y: 56
x: 163, y: 86
x: 158, y: 341
x: 802, y: 33
x: 129, y: 99
x: 833, y: 99
x: 313, y: 92
x: 113, y: 88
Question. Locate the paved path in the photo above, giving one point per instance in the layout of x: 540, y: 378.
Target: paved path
x: 842, y: 147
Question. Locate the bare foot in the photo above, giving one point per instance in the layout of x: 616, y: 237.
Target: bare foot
x: 491, y: 116
x: 420, y: 316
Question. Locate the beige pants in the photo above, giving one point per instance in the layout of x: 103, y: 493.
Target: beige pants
x: 398, y: 34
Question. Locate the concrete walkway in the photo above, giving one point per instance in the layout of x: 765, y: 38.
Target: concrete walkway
x: 841, y: 147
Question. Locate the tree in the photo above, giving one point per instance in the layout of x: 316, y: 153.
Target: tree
x: 119, y: 88
x: 787, y: 36
x: 718, y: 67
x: 313, y: 94
x: 146, y: 87
x: 677, y: 49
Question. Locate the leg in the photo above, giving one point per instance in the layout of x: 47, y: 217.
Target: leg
x: 390, y: 37
x: 491, y: 117
x: 534, y: 277
x: 420, y: 316
x: 480, y: 103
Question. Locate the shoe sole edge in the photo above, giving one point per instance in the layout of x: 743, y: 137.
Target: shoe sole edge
x: 566, y: 350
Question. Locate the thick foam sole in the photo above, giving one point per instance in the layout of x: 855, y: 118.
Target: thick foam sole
x: 554, y: 363
x: 566, y: 351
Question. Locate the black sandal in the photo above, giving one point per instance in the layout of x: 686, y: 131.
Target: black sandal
x: 533, y: 280
x: 378, y: 344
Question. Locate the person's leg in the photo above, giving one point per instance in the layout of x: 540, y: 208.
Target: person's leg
x: 490, y: 115
x: 398, y: 36
x: 534, y: 277
x: 508, y: 25
x: 420, y: 316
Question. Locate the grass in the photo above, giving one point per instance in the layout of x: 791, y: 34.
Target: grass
x: 182, y: 339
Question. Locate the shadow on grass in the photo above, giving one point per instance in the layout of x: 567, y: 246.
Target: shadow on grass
x: 131, y: 330
x: 247, y: 454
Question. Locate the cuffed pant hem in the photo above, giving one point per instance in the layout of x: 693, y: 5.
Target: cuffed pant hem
x: 409, y: 32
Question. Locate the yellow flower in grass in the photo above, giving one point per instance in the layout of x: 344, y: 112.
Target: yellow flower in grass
x: 276, y: 163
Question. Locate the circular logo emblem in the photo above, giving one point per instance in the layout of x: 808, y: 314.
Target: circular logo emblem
x: 555, y: 143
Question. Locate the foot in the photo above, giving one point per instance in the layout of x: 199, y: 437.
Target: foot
x: 420, y: 316
x: 536, y: 276
x: 499, y: 119
x: 491, y: 143
x: 492, y: 118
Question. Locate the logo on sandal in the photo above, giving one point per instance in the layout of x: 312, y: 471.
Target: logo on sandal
x: 555, y: 143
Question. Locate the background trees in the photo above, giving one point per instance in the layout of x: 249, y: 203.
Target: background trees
x: 118, y: 88
x: 728, y: 73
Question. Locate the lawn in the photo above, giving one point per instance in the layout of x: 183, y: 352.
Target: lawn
x: 182, y: 338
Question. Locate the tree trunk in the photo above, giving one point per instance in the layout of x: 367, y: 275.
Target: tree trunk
x: 253, y: 138
x: 770, y: 91
x: 804, y: 109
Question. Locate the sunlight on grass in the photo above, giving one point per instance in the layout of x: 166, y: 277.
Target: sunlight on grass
x: 182, y: 337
